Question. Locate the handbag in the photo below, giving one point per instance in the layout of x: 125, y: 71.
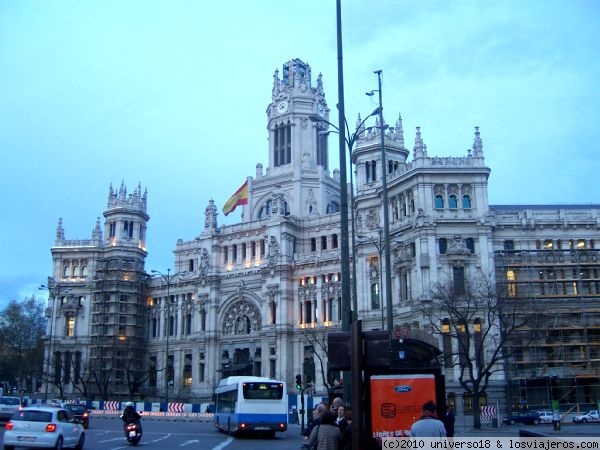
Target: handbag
x: 315, y: 445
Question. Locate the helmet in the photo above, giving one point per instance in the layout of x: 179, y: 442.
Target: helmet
x: 128, y: 404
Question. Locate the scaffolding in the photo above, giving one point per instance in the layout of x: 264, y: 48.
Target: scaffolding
x: 118, y: 326
x: 557, y: 355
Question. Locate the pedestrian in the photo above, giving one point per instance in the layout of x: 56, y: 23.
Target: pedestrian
x: 449, y: 420
x: 346, y: 439
x: 336, y: 403
x: 316, y: 419
x: 428, y: 424
x: 340, y: 420
x: 325, y: 436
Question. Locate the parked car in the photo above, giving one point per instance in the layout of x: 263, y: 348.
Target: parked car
x: 547, y: 416
x: 43, y: 427
x: 526, y: 418
x: 591, y: 416
x: 80, y: 412
x: 8, y: 406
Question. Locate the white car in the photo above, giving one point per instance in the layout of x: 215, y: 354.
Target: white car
x: 45, y: 427
x: 592, y: 416
x: 547, y: 416
x: 8, y: 406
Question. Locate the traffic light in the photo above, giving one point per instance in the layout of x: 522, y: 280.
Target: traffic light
x: 299, y: 382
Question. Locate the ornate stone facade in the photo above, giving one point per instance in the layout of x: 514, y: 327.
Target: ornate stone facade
x: 241, y: 296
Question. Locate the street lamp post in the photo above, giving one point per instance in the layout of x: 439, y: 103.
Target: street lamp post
x: 53, y: 293
x: 350, y: 141
x: 386, y: 221
x: 380, y: 245
x: 168, y: 279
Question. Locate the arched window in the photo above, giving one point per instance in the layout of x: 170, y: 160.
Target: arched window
x: 265, y: 211
x: 452, y: 202
x: 333, y: 207
x: 466, y: 202
x: 439, y: 202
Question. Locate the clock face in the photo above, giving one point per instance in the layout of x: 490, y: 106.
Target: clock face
x: 282, y: 107
x: 321, y: 110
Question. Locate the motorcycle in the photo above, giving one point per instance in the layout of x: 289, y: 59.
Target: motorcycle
x: 133, y: 433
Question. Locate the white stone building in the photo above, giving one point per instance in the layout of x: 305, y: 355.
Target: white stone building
x: 239, y: 297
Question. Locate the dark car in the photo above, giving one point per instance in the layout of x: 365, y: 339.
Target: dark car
x: 526, y: 418
x: 80, y: 412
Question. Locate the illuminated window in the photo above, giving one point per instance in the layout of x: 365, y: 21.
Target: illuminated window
x: 511, y: 277
x: 581, y: 244
x: 447, y: 343
x: 70, y: 331
x: 548, y: 245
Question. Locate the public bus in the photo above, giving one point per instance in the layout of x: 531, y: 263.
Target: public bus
x: 252, y: 404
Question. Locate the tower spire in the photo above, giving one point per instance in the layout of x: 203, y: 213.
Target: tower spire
x: 477, y: 144
x: 60, y: 232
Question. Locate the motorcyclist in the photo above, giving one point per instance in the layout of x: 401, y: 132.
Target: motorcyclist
x: 130, y: 415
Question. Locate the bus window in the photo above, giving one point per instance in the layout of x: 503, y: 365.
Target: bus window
x: 263, y: 391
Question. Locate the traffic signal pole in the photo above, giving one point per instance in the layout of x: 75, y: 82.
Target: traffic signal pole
x: 300, y: 387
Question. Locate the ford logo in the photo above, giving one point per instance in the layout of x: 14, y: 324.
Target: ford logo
x: 402, y: 388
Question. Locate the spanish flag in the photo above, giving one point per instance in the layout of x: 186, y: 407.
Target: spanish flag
x: 239, y: 198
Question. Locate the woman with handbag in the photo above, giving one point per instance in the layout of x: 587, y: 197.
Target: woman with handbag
x: 326, y: 435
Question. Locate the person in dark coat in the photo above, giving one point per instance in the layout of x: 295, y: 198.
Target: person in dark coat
x: 449, y: 420
x: 346, y: 439
x: 340, y: 420
x: 325, y: 436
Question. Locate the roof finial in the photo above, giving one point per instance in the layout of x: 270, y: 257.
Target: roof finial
x: 477, y: 144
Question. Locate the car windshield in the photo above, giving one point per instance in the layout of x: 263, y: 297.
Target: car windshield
x: 75, y: 409
x: 33, y: 416
x: 9, y: 401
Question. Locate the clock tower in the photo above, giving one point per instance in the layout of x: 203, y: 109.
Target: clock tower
x: 298, y: 168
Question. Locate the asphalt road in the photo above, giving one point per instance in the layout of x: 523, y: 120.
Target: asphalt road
x: 107, y: 434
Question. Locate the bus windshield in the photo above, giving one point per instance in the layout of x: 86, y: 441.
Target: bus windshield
x: 262, y: 391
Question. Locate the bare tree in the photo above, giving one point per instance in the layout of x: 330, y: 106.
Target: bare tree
x: 83, y: 378
x: 482, y: 323
x: 316, y: 340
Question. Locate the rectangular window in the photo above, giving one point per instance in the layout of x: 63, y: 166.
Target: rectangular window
x: 201, y: 370
x: 511, y: 278
x: 191, y: 265
x: 447, y: 345
x: 70, y: 331
x: 459, y: 280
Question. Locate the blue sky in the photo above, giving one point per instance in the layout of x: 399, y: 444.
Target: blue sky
x: 173, y: 94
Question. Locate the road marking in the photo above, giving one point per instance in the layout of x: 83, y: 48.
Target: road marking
x: 189, y: 442
x: 224, y: 444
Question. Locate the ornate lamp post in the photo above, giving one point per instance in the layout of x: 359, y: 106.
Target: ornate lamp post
x: 53, y: 293
x: 386, y: 221
x: 168, y: 279
x: 350, y: 141
x: 380, y: 246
